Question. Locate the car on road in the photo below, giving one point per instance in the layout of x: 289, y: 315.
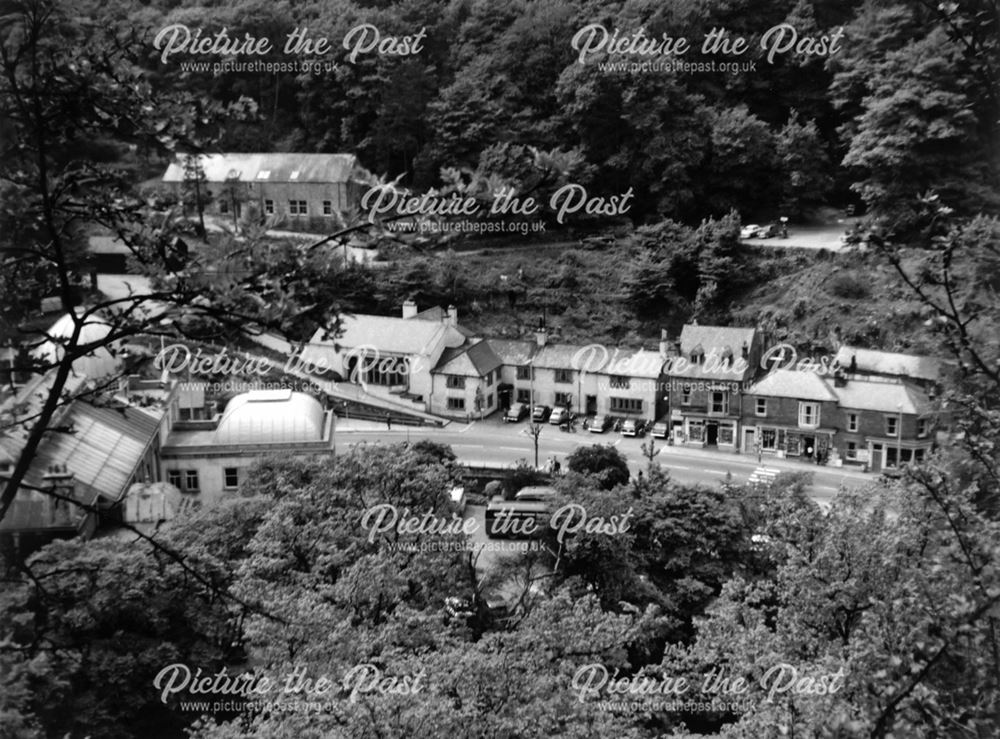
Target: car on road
x: 559, y: 415
x: 769, y: 231
x: 599, y: 424
x: 749, y: 231
x: 540, y: 413
x: 515, y: 413
x: 631, y: 427
x: 661, y: 429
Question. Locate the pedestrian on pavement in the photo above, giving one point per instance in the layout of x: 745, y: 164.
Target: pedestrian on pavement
x: 388, y: 422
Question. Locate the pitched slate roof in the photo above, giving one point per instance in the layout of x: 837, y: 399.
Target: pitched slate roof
x: 570, y: 356
x: 392, y: 335
x: 890, y: 363
x: 715, y: 343
x: 633, y: 363
x: 785, y: 383
x: 436, y: 313
x: 470, y: 360
x: 885, y: 397
x: 717, y: 338
x: 271, y: 167
x: 514, y: 352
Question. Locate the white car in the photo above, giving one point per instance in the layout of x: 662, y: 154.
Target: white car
x: 559, y: 415
x: 749, y: 231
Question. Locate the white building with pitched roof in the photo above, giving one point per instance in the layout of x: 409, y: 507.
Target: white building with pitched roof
x: 304, y: 190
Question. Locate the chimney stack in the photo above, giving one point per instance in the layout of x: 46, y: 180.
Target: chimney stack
x: 409, y: 308
x: 664, y: 343
x: 746, y: 350
x: 541, y: 332
x: 452, y: 319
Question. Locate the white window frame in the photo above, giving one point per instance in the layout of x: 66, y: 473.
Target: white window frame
x: 760, y: 407
x: 226, y: 475
x: 269, y: 207
x: 892, y: 426
x: 804, y: 407
x: 853, y: 422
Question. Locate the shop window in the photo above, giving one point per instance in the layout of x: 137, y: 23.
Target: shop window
x: 727, y: 434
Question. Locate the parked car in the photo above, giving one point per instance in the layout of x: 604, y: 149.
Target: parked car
x: 559, y: 415
x: 661, y: 430
x: 769, y: 231
x: 599, y: 424
x: 749, y: 231
x: 515, y: 413
x: 631, y: 427
x: 540, y: 413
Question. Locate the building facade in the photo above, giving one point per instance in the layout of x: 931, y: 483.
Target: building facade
x: 303, y: 191
x: 839, y: 419
x: 706, y: 374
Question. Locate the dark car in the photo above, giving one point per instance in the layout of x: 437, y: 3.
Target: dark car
x: 515, y: 413
x: 599, y: 424
x: 769, y: 231
x: 540, y: 413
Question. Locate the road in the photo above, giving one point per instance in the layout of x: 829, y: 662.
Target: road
x: 491, y: 442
